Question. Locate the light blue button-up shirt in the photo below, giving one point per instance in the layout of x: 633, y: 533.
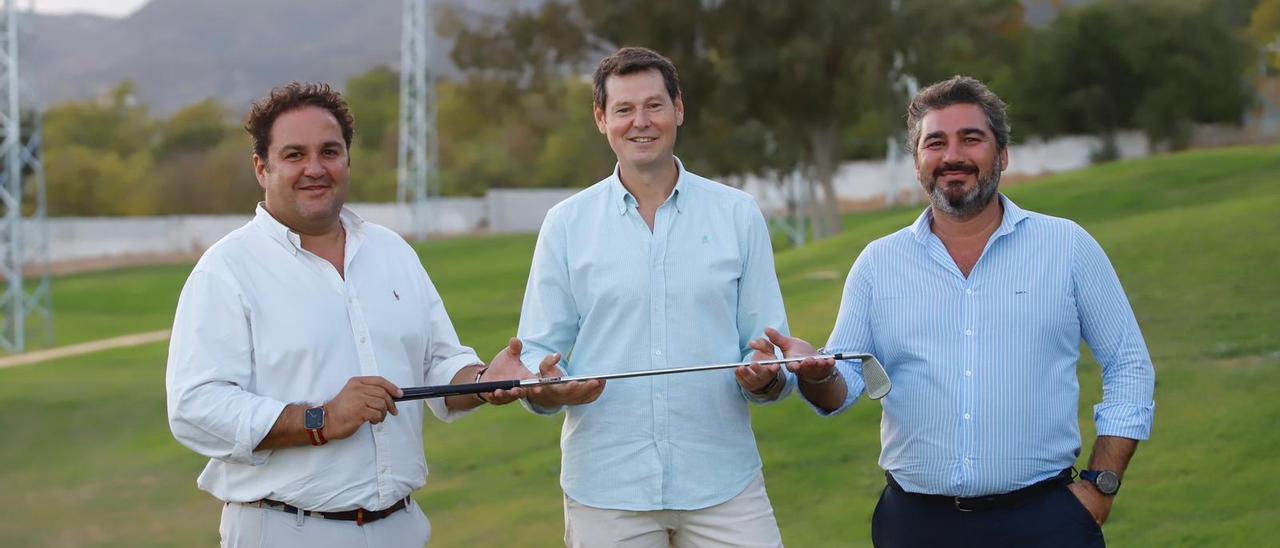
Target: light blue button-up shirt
x: 984, y: 368
x: 611, y: 296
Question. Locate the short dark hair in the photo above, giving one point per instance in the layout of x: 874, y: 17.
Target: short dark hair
x: 958, y: 90
x: 263, y: 113
x: 630, y: 60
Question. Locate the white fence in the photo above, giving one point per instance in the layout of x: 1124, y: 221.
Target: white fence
x: 89, y: 238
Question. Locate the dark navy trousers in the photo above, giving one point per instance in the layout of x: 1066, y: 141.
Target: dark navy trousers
x: 1051, y: 518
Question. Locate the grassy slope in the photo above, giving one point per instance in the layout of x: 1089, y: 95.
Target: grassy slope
x: 1193, y: 236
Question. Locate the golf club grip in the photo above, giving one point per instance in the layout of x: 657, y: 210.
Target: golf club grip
x: 424, y: 392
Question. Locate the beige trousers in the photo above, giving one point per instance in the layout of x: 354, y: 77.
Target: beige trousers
x: 746, y: 520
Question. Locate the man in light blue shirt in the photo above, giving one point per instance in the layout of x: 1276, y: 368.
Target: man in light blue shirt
x: 977, y: 311
x: 655, y: 267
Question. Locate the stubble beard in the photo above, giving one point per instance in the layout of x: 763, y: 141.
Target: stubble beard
x: 970, y: 204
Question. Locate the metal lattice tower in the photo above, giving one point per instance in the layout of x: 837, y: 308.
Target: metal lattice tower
x: 24, y: 230
x: 417, y: 173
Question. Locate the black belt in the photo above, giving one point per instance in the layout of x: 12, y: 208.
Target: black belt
x: 359, y: 515
x: 990, y: 502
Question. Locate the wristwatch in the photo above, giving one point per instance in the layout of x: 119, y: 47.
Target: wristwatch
x: 313, y: 420
x: 1107, y: 482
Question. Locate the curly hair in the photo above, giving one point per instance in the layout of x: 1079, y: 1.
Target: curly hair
x: 263, y: 113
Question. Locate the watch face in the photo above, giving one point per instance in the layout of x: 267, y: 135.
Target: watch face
x: 1108, y: 482
x: 314, y: 418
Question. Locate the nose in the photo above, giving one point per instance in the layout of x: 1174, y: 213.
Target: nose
x: 642, y: 118
x: 952, y: 152
x: 313, y: 168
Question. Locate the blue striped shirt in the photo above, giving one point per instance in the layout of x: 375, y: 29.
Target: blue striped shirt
x: 611, y: 296
x: 985, y: 391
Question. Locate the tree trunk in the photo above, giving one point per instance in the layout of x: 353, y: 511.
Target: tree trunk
x: 825, y: 207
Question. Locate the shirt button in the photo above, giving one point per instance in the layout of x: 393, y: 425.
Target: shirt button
x: 363, y: 340
x: 657, y: 352
x: 968, y: 373
x: 966, y: 460
x: 966, y: 416
x: 968, y: 332
x: 968, y: 292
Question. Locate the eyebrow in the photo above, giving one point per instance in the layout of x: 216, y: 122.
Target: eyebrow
x: 962, y: 131
x: 654, y: 97
x: 291, y: 146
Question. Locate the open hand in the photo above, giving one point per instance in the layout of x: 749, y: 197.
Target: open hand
x: 570, y: 393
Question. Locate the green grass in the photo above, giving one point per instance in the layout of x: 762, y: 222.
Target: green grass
x: 88, y: 460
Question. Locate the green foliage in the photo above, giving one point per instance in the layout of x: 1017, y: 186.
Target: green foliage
x: 1264, y: 29
x: 88, y: 435
x: 1157, y: 65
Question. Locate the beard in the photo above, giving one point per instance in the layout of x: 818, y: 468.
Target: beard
x: 961, y: 204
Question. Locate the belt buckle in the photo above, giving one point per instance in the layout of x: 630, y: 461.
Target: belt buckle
x: 959, y: 502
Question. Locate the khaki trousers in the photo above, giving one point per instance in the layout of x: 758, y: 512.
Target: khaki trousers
x: 746, y: 520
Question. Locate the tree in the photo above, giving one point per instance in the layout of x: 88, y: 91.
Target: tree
x: 1264, y: 29
x: 1155, y: 65
x: 770, y: 87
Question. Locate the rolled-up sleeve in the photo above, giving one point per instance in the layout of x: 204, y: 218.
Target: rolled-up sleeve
x: 210, y: 364
x: 549, y: 316
x: 1108, y: 325
x: 445, y: 357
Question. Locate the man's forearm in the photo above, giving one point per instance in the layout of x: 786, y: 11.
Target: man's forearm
x: 1112, y: 453
x: 464, y: 402
x: 289, y: 430
x: 829, y: 395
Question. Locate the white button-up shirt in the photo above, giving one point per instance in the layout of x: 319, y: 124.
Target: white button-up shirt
x: 263, y: 323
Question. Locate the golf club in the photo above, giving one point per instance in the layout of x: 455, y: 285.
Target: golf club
x: 877, y: 381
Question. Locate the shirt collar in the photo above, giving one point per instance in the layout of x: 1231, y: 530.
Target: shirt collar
x: 292, y: 241
x: 623, y: 199
x: 1012, y: 216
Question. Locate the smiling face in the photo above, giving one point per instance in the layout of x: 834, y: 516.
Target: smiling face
x: 306, y: 172
x: 640, y: 120
x: 958, y: 161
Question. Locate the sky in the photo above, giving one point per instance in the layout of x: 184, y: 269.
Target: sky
x: 114, y: 8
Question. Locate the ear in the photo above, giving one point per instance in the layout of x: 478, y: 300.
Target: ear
x: 679, y: 110
x: 599, y: 116
x: 1004, y: 159
x: 260, y: 171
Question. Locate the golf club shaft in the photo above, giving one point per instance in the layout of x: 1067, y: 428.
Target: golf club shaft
x: 423, y: 392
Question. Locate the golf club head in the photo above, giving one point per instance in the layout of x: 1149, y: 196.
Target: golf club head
x: 875, y: 378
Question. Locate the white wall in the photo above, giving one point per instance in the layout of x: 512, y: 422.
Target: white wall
x: 522, y: 210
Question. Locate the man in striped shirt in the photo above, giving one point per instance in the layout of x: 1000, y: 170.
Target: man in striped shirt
x: 977, y: 311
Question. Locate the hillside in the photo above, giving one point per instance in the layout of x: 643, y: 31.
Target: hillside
x: 1193, y: 237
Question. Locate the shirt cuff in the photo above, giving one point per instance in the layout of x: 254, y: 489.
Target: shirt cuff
x: 253, y: 428
x: 788, y: 385
x: 1125, y: 420
x: 443, y: 373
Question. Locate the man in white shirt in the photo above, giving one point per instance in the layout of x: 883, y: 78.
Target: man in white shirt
x: 290, y: 341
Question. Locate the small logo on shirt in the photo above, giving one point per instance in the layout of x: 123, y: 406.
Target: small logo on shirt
x: 1020, y: 292
x: 393, y: 292
x: 706, y: 239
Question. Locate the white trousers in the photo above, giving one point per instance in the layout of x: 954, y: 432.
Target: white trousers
x: 746, y: 520
x: 251, y: 527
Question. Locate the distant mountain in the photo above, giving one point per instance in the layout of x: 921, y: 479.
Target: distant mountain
x: 177, y: 52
